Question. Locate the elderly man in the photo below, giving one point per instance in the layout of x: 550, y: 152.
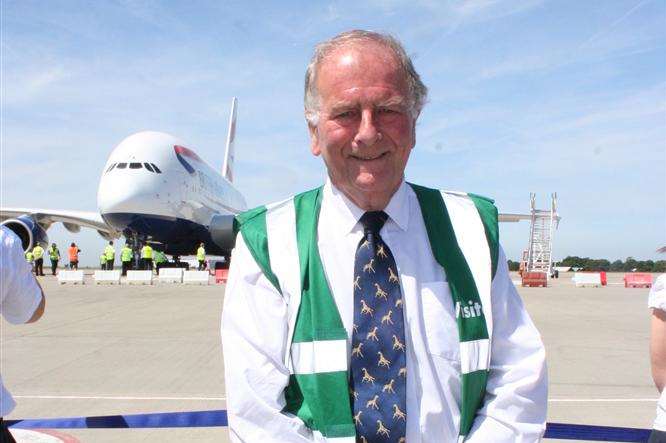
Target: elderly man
x: 371, y: 309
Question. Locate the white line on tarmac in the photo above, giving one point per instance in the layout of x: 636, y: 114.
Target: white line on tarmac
x: 103, y: 397
x: 601, y: 400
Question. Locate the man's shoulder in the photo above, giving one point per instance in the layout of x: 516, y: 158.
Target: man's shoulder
x: 420, y: 189
x: 255, y: 214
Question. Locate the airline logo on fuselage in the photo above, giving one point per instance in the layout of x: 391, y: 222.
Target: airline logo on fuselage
x: 472, y: 310
x: 181, y: 153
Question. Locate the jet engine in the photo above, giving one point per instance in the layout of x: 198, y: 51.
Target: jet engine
x: 221, y: 230
x: 28, y: 230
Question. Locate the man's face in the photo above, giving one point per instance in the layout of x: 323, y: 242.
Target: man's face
x: 365, y: 131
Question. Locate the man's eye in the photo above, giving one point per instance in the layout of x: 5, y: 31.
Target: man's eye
x: 345, y: 114
x: 387, y: 111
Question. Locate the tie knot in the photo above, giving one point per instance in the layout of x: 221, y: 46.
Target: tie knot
x: 373, y: 221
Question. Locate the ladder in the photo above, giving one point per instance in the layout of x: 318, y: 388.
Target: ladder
x: 543, y: 223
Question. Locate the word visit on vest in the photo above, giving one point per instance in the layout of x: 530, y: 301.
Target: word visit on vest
x: 282, y: 238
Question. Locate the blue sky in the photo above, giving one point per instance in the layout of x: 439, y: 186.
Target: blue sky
x: 525, y: 96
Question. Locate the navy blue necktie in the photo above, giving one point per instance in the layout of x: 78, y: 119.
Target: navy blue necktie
x: 378, y: 363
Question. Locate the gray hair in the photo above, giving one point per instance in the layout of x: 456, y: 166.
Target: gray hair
x: 418, y: 92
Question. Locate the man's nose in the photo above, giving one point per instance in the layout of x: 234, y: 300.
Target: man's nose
x: 368, y: 133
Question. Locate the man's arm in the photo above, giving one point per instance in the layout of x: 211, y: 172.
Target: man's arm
x: 517, y: 392
x: 658, y: 348
x: 254, y: 338
x: 23, y: 300
x: 40, y: 309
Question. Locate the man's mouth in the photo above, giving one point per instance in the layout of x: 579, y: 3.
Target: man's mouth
x: 368, y: 157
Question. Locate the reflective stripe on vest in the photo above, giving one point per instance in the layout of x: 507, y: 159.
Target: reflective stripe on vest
x: 282, y: 239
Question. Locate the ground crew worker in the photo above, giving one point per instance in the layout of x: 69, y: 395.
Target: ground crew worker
x: 54, y: 256
x: 147, y: 257
x: 102, y: 260
x: 73, y: 253
x: 110, y: 255
x: 30, y: 259
x: 126, y: 258
x: 38, y: 254
x: 201, y: 257
x: 160, y: 259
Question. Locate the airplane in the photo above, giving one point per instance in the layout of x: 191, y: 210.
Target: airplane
x: 153, y: 189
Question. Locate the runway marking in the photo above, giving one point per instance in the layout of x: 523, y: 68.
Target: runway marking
x: 600, y: 400
x: 110, y: 397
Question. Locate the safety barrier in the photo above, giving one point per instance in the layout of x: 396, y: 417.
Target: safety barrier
x: 70, y: 277
x: 111, y: 277
x: 638, y: 280
x: 587, y: 279
x: 195, y: 277
x: 221, y: 275
x: 218, y: 418
x: 170, y: 275
x: 535, y: 279
x: 139, y: 278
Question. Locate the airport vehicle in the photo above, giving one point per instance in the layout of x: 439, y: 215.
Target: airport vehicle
x: 154, y: 189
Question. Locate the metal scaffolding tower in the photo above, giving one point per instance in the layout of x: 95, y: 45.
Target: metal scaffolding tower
x: 543, y: 223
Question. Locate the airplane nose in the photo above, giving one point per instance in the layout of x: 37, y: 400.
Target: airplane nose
x: 121, y: 193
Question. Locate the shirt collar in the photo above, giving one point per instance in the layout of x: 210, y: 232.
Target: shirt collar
x: 349, y: 214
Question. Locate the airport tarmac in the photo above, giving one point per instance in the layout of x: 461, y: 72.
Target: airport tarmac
x: 107, y: 350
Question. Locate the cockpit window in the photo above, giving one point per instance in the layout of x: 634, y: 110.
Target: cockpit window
x: 135, y: 166
x: 111, y: 167
x: 156, y: 168
x: 148, y: 167
x: 122, y: 165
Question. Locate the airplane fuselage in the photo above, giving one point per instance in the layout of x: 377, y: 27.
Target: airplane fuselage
x: 157, y: 189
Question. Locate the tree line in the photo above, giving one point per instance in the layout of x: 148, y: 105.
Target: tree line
x: 600, y: 264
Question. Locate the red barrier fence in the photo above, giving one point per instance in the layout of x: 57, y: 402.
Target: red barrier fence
x: 638, y: 280
x: 221, y: 275
x: 535, y: 279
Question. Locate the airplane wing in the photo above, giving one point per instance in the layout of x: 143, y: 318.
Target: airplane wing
x: 72, y: 220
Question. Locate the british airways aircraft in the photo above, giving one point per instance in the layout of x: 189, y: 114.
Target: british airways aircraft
x: 155, y: 189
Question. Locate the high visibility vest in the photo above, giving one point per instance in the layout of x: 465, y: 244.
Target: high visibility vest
x: 102, y: 258
x: 160, y: 257
x: 201, y: 254
x: 110, y: 252
x: 147, y: 252
x: 28, y: 257
x: 73, y: 252
x: 38, y: 252
x: 463, y: 234
x: 126, y: 254
x: 54, y: 254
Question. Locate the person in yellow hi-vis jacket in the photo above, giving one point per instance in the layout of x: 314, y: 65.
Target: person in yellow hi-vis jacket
x: 110, y: 253
x: 201, y: 257
x: 38, y: 254
x: 102, y: 261
x: 147, y: 257
x: 126, y: 254
x: 54, y: 256
x: 30, y: 259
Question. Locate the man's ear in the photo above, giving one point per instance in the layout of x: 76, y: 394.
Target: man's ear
x: 314, y: 140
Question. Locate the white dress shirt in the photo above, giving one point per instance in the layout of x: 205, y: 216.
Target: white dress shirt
x: 254, y: 337
x: 657, y: 300
x: 20, y: 294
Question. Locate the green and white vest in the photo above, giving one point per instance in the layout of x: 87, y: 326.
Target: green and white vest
x: 282, y: 238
